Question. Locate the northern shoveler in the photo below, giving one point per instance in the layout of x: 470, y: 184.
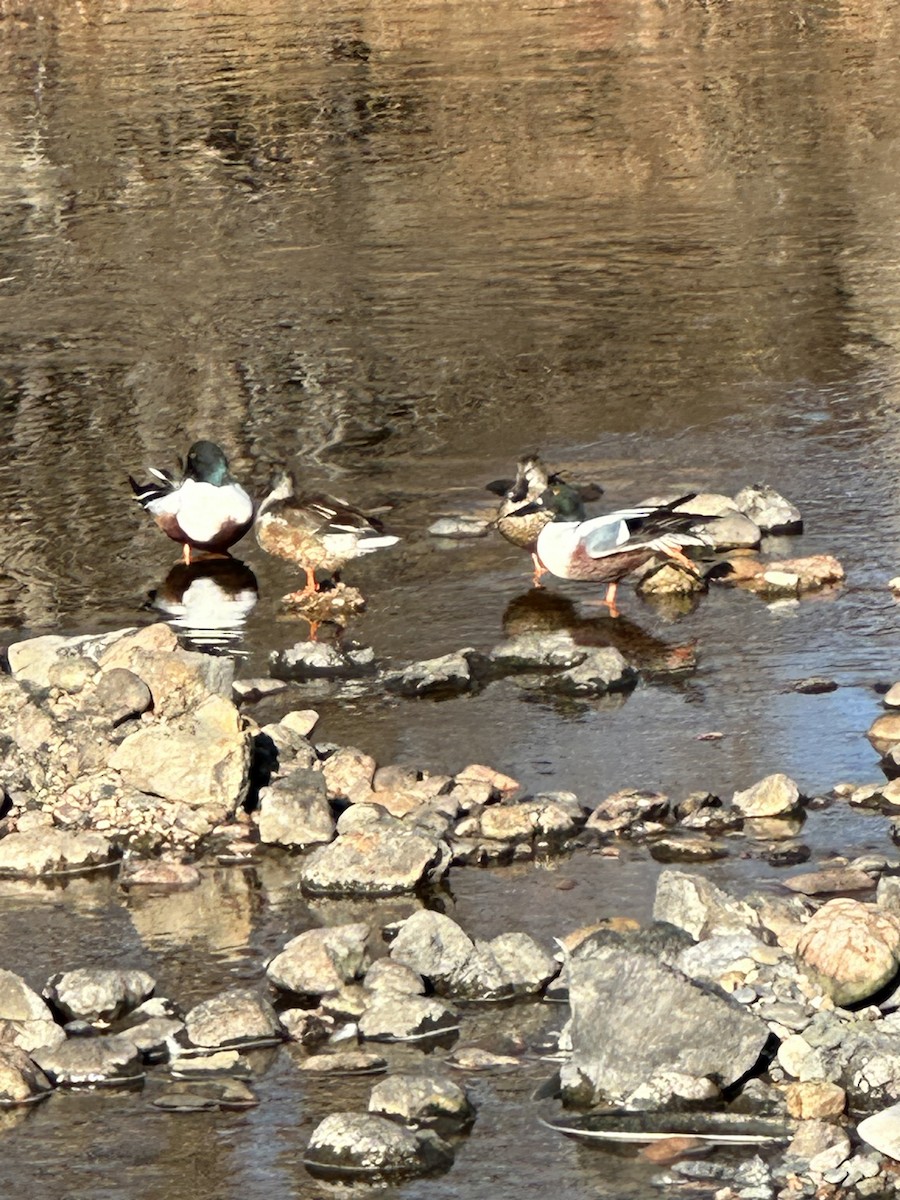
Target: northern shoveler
x: 606, y: 549
x: 205, y: 510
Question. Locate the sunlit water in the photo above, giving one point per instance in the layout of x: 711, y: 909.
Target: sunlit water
x: 395, y: 246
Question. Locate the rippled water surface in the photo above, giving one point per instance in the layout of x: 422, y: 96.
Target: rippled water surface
x: 397, y: 245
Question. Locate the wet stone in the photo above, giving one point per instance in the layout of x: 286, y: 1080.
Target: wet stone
x: 773, y: 796
x: 322, y: 660
x: 320, y: 961
x: 235, y: 1018
x: 393, y: 1017
x: 356, y: 1142
x: 603, y: 670
x: 528, y: 651
x: 21, y: 1079
x: 344, y: 1062
x: 686, y: 849
x: 377, y: 861
x: 87, y: 1060
x: 52, y: 852
x: 451, y: 674
x: 98, y: 995
x: 426, y: 1099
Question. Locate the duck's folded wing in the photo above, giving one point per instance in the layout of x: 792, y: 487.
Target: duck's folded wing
x: 331, y: 515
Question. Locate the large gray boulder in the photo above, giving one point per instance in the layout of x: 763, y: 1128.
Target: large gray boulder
x: 634, y: 1016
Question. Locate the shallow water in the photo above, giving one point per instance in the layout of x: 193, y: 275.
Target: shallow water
x: 397, y: 245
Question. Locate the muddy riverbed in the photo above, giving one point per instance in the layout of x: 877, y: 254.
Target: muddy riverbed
x: 397, y: 246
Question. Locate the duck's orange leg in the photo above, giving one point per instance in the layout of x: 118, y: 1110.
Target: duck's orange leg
x: 539, y: 571
x: 309, y: 589
x: 186, y: 554
x: 610, y: 598
x: 682, y: 559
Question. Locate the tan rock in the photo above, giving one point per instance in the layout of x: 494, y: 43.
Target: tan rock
x: 501, y: 783
x: 772, y: 796
x: 349, y: 773
x: 852, y: 948
x: 837, y: 879
x: 884, y: 732
x: 816, y: 1100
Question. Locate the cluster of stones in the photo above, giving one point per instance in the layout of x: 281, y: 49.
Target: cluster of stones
x: 767, y: 996
x: 552, y: 663
x: 127, y: 744
x: 741, y: 524
x: 328, y: 994
x: 770, y: 1005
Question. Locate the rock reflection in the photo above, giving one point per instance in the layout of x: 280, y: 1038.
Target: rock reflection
x: 542, y: 611
x: 208, y: 601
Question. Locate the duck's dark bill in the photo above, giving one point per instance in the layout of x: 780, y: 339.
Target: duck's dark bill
x: 655, y: 1127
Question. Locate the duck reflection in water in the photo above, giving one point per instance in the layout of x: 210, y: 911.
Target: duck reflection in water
x: 208, y: 601
x: 542, y: 612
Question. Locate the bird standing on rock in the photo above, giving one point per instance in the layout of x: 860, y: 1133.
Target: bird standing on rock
x: 206, y: 510
x: 606, y: 549
x: 315, y: 533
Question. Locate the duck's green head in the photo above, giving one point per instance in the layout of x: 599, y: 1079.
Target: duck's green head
x: 206, y: 462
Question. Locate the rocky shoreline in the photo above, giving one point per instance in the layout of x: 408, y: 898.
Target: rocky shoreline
x: 125, y: 753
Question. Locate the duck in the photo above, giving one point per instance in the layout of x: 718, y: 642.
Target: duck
x: 315, y: 532
x: 607, y: 548
x: 206, y: 510
x: 520, y: 518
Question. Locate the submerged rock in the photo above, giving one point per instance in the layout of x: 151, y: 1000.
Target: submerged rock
x: 367, y: 1142
x: 81, y: 1061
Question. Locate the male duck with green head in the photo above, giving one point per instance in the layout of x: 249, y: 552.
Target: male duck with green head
x: 206, y: 510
